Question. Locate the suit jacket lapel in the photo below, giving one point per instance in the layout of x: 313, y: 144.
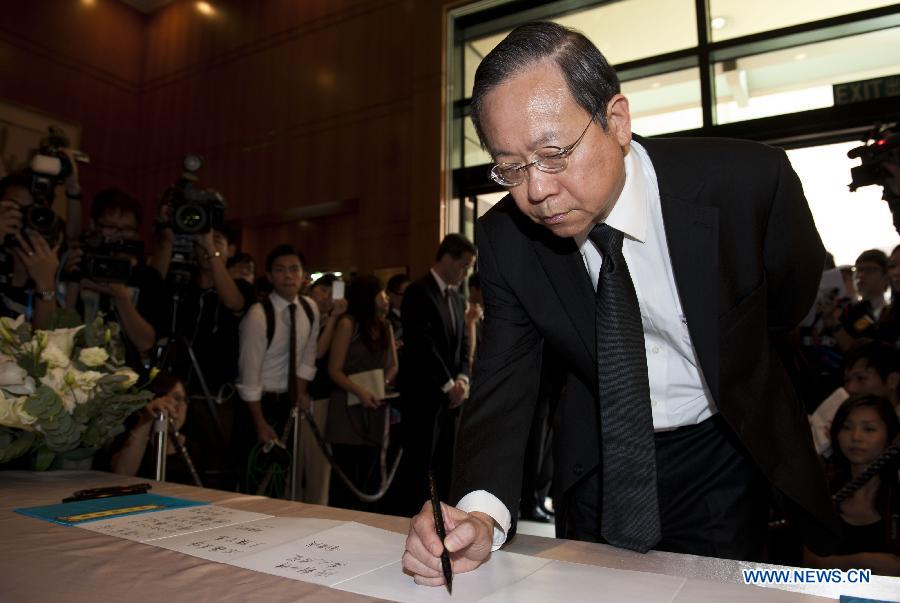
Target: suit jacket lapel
x: 692, y: 235
x: 435, y: 291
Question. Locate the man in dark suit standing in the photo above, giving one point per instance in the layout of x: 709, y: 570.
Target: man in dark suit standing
x: 435, y: 370
x: 660, y: 272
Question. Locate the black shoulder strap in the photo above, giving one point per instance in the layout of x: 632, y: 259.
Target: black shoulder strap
x: 269, y: 309
x: 307, y: 309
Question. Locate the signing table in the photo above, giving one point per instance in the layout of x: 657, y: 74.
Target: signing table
x: 46, y: 562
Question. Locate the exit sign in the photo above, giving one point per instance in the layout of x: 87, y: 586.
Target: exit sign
x: 866, y: 90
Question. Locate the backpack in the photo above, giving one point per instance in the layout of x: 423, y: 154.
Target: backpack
x: 269, y: 311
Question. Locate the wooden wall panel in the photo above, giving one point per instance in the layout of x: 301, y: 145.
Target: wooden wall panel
x: 298, y: 105
x: 292, y: 104
x: 82, y: 64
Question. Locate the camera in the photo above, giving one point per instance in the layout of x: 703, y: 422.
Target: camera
x: 883, y: 148
x: 193, y: 212
x: 47, y: 169
x: 106, y: 260
x: 874, y: 156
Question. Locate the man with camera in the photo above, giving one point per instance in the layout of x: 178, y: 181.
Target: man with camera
x: 202, y: 317
x: 31, y: 231
x: 29, y: 258
x: 107, y: 274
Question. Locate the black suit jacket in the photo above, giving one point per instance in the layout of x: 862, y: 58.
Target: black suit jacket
x: 747, y: 261
x: 433, y: 353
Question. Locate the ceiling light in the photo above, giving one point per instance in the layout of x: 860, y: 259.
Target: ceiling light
x: 88, y: 2
x: 655, y: 85
x: 718, y: 22
x: 205, y: 8
x: 799, y: 56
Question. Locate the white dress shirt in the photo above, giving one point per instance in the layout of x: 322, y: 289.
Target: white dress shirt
x: 679, y: 395
x: 262, y: 369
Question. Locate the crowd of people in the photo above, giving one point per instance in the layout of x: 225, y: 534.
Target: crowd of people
x: 277, y: 384
x: 232, y: 355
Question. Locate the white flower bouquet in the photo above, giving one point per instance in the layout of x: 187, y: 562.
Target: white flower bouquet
x: 62, y: 390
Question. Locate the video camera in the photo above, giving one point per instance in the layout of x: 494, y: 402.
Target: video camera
x: 883, y: 149
x: 193, y: 212
x: 48, y: 168
x: 106, y: 260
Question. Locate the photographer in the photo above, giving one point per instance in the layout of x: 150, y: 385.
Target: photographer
x: 135, y: 300
x: 204, y: 308
x: 30, y: 262
x: 210, y: 305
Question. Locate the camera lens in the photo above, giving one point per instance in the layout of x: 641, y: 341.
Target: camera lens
x: 190, y: 218
x: 41, y: 219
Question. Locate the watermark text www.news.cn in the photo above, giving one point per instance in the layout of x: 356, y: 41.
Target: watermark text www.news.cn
x: 806, y: 576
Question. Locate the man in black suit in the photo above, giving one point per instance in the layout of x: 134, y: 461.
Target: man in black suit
x: 713, y: 244
x: 435, y: 370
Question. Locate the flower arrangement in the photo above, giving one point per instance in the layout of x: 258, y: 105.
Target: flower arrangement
x: 62, y: 390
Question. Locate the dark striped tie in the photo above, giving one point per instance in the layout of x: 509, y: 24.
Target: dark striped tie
x: 630, y: 512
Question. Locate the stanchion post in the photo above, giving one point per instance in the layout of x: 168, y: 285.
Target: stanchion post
x: 295, y: 469
x: 161, y: 429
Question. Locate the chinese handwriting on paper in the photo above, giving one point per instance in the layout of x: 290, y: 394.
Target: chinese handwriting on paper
x: 311, y: 566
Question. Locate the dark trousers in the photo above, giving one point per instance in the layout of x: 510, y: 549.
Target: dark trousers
x: 713, y: 501
x: 537, y: 471
x: 211, y: 429
x: 361, y: 466
x: 429, y: 436
x: 276, y: 409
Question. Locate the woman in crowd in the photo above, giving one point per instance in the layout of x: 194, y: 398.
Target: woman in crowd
x: 863, y: 428
x: 363, y: 341
x: 135, y: 452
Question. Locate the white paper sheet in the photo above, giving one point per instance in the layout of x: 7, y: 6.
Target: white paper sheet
x: 152, y: 526
x: 820, y: 420
x: 371, y: 380
x: 503, y: 569
x: 562, y: 581
x: 242, y: 540
x: 330, y: 556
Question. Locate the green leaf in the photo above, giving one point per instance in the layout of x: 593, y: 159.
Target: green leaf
x: 44, y: 404
x: 43, y: 459
x: 32, y: 363
x: 23, y: 332
x: 15, y: 443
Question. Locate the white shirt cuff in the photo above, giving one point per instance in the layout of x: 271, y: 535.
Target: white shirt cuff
x: 485, y: 502
x: 307, y: 372
x: 448, y: 386
x: 249, y: 393
x: 463, y: 377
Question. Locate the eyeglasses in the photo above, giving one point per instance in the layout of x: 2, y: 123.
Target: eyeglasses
x: 550, y: 160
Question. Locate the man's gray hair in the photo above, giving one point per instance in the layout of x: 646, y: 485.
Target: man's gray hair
x: 589, y: 78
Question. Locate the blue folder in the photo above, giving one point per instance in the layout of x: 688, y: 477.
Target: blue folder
x: 82, y: 511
